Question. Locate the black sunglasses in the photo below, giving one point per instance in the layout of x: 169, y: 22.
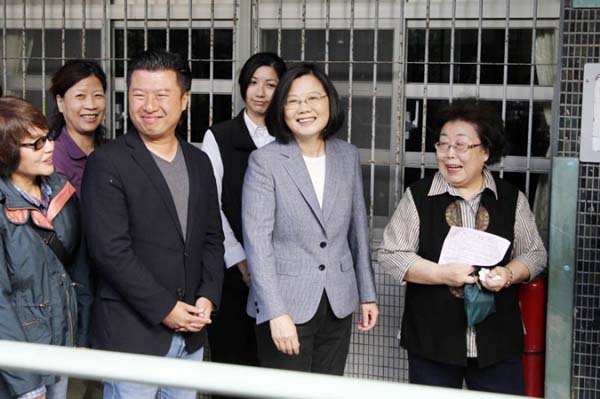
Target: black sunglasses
x: 39, y: 143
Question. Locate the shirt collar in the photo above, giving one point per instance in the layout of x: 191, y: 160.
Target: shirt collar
x: 440, y: 185
x: 72, y: 148
x: 46, y: 195
x: 253, y: 128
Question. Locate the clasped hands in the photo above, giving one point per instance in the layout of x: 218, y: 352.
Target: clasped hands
x: 459, y: 274
x: 189, y: 318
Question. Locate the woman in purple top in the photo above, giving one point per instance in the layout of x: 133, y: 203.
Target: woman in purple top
x: 78, y: 88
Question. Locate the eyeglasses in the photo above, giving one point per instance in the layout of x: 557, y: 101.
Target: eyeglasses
x: 459, y: 147
x: 311, y: 100
x: 39, y: 143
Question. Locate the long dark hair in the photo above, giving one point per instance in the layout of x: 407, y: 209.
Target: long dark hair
x: 68, y: 76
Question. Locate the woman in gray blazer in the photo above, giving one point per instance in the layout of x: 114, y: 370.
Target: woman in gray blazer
x: 305, y: 231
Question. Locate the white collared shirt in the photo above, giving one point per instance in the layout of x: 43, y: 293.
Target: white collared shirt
x: 234, y: 252
x: 259, y: 134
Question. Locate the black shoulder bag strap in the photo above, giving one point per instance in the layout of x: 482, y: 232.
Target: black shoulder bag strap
x: 51, y: 239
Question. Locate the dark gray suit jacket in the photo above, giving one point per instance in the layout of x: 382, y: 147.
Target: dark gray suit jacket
x: 144, y: 265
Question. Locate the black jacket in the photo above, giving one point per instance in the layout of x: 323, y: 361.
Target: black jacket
x: 136, y: 244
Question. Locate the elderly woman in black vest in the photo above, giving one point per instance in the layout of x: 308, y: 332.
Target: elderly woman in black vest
x: 442, y: 349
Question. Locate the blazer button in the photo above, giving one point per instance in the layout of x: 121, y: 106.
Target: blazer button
x: 179, y: 293
x: 321, y: 267
x: 257, y: 310
x: 323, y: 244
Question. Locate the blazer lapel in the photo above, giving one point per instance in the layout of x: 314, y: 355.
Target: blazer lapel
x: 141, y: 155
x: 296, y: 168
x: 333, y: 177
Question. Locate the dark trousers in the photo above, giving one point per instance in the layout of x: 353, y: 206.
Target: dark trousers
x: 231, y: 334
x: 324, y: 342
x: 503, y: 377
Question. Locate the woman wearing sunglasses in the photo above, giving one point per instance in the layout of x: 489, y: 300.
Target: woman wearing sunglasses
x: 44, y: 295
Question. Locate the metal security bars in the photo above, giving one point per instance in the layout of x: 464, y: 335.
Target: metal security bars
x: 394, y: 63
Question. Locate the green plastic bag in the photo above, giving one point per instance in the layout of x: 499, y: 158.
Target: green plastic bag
x: 479, y: 304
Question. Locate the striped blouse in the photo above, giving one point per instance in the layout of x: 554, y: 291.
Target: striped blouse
x: 400, y: 242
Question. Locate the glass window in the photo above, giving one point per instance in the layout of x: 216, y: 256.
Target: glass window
x: 362, y: 118
x: 199, y: 114
x: 516, y: 125
x: 465, y: 56
x: 339, y: 50
x: 178, y: 42
x: 518, y: 179
x: 34, y: 64
x: 381, y: 189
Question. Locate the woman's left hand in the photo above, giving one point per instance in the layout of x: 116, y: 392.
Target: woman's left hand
x: 369, y: 312
x: 499, y: 277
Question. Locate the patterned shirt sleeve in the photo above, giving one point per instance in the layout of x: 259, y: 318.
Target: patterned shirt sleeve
x: 528, y: 245
x: 400, y: 243
x: 34, y: 394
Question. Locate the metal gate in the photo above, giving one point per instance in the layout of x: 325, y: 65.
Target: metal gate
x: 393, y: 62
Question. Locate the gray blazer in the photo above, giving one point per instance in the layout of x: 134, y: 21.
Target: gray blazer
x: 295, y: 249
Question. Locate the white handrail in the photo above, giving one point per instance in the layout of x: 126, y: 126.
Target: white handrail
x: 210, y: 377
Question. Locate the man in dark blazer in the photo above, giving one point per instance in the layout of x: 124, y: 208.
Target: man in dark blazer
x: 153, y: 227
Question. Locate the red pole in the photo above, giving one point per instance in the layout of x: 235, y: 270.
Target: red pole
x: 532, y: 297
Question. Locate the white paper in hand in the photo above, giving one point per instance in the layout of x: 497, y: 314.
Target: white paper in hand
x: 473, y: 247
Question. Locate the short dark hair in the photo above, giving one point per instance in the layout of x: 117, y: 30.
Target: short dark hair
x: 17, y: 118
x: 486, y: 120
x: 275, y: 116
x: 162, y: 60
x: 256, y: 61
x: 68, y: 76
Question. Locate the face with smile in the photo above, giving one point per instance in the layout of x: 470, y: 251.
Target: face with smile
x: 461, y: 170
x: 156, y: 103
x: 307, y: 108
x: 32, y: 162
x: 260, y: 90
x: 83, y: 106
